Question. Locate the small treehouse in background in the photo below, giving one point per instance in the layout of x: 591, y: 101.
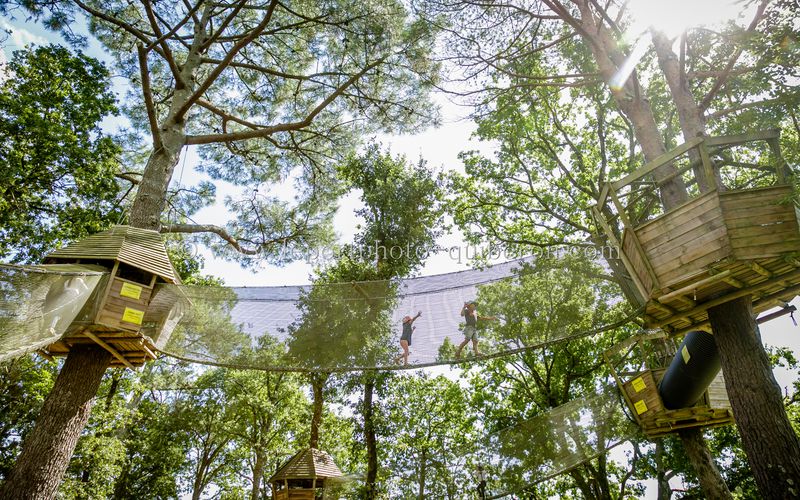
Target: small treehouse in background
x: 128, y: 316
x: 305, y: 476
x: 737, y: 235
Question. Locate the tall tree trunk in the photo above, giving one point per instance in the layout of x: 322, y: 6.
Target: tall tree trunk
x: 664, y: 489
x: 772, y: 447
x: 690, y: 116
x: 369, y: 436
x: 630, y: 99
x: 317, y: 385
x: 47, y: 450
x: 711, y: 481
x: 423, y: 470
x: 258, y: 474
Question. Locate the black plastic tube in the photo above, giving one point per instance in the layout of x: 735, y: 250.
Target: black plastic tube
x: 692, y: 369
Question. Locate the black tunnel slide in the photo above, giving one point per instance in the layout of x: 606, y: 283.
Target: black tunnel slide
x: 691, y: 371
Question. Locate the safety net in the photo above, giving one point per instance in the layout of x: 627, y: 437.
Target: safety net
x: 39, y: 303
x: 327, y: 327
x: 519, y: 308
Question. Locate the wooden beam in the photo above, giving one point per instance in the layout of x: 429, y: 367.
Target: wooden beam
x: 694, y: 286
x: 731, y: 296
x: 623, y: 215
x: 656, y: 163
x: 734, y: 282
x: 46, y: 355
x: 733, y: 140
x: 759, y: 269
x: 110, y: 349
x: 613, y: 239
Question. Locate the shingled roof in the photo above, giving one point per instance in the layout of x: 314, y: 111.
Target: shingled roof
x: 140, y: 248
x: 309, y: 463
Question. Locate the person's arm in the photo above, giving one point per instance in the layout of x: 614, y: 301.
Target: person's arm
x: 419, y: 313
x: 464, y: 310
x: 487, y: 318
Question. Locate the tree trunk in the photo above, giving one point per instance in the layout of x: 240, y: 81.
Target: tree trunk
x: 258, y: 474
x: 152, y: 191
x: 47, y: 450
x: 664, y: 489
x: 369, y: 436
x: 770, y: 442
x: 317, y: 385
x: 423, y: 469
x: 630, y: 99
x: 711, y: 481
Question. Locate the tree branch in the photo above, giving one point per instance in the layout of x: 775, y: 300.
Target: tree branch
x: 148, y: 96
x: 722, y: 79
x: 226, y: 61
x: 208, y: 228
x: 282, y: 127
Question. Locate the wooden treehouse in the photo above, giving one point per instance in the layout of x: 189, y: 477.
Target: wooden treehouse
x: 640, y: 383
x: 128, y: 316
x: 737, y: 235
x: 305, y: 476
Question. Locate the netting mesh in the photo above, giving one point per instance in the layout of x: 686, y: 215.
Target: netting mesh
x: 39, y: 303
x: 342, y: 327
x: 554, y: 442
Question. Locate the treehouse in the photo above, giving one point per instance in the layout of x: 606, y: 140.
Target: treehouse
x: 736, y: 235
x: 669, y: 389
x: 305, y: 476
x: 128, y: 315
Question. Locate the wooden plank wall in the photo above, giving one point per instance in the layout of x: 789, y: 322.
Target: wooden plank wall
x: 717, y: 394
x: 685, y: 240
x: 762, y: 223
x: 114, y: 305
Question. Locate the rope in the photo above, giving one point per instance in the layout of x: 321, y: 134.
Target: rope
x: 455, y: 362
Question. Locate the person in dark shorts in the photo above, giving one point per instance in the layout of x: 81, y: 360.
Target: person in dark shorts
x: 471, y: 317
x: 405, y: 338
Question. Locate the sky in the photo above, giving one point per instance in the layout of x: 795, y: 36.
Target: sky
x: 439, y: 147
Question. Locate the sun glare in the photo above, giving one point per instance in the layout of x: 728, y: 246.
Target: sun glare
x: 671, y: 17
x: 675, y: 16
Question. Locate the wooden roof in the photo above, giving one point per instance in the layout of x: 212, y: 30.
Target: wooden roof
x: 140, y: 248
x: 309, y: 463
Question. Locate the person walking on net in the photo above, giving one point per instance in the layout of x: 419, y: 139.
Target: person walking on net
x: 405, y: 338
x: 471, y: 329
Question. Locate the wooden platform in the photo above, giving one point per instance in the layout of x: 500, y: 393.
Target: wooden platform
x: 640, y: 391
x: 718, y: 246
x: 130, y: 350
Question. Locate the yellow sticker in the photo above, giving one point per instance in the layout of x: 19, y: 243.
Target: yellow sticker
x: 638, y: 384
x: 640, y: 406
x: 130, y: 290
x: 133, y: 316
x: 685, y: 354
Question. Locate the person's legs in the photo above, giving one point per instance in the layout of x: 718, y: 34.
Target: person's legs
x: 475, y: 345
x: 460, y: 347
x: 404, y: 345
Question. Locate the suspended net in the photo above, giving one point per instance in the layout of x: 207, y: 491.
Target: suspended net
x: 328, y: 327
x: 358, y: 326
x: 38, y: 304
x: 545, y: 446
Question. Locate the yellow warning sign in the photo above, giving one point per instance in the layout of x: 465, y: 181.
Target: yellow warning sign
x: 134, y: 316
x: 638, y: 384
x: 685, y: 355
x: 640, y: 406
x: 130, y: 290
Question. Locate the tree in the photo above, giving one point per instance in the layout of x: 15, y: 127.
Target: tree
x: 545, y: 301
x: 432, y: 437
x: 58, y: 168
x: 552, y: 45
x: 402, y: 211
x: 270, y: 92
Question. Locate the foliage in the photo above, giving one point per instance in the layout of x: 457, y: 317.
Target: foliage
x: 57, y: 166
x: 432, y: 434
